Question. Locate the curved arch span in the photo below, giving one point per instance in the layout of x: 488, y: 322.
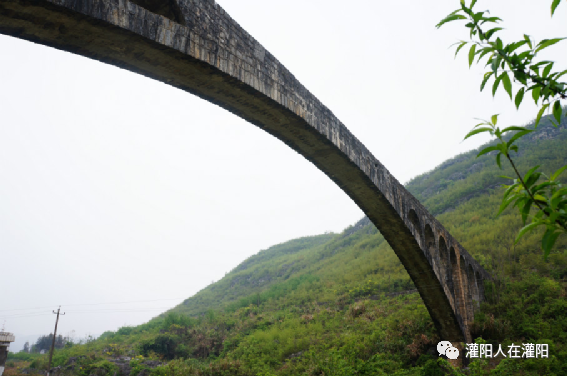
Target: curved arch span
x: 196, y: 46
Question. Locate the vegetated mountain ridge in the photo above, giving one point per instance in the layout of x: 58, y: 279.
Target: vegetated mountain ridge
x: 327, y: 304
x: 462, y: 179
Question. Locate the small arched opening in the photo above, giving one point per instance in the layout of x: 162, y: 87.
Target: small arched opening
x: 416, y: 226
x: 432, y: 254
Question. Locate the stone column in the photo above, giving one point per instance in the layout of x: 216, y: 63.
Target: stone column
x: 5, y: 339
x: 3, y: 356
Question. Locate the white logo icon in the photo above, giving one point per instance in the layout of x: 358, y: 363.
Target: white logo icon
x: 452, y: 353
x: 447, y: 349
x: 443, y: 346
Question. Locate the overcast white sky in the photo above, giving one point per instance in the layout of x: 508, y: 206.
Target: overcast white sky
x: 118, y: 189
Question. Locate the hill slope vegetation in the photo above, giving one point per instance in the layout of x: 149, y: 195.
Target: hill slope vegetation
x: 342, y: 304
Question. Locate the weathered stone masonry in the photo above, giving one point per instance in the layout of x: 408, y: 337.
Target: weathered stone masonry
x: 196, y: 46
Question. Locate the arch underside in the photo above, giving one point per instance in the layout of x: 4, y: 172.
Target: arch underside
x: 195, y: 46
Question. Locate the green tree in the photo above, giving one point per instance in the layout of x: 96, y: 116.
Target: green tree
x: 44, y: 343
x: 541, y: 199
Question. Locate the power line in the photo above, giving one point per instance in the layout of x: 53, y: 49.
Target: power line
x: 90, y: 304
x: 125, y: 310
x: 26, y: 315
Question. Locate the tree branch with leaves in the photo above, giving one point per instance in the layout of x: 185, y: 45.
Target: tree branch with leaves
x: 540, y: 199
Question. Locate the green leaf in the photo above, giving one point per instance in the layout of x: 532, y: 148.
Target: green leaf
x: 540, y: 114
x: 536, y: 93
x: 513, y: 128
x: 451, y: 17
x: 493, y: 19
x: 526, y: 210
x: 498, y: 160
x: 454, y: 12
x: 514, y: 46
x: 552, y: 217
x: 507, y: 83
x: 557, y: 203
x: 499, y: 44
x: 471, y: 54
x: 507, y: 177
x: 546, y: 43
x: 525, y: 55
x: 530, y: 172
x: 528, y: 41
x: 485, y: 79
x: 522, y: 77
x: 479, y: 124
x: 485, y: 51
x: 477, y: 131
x: 540, y: 187
x: 521, y: 201
x: 459, y: 48
x: 518, y: 135
x: 519, y: 97
x: 491, y: 32
x: 495, y: 63
x: 525, y: 229
x: 532, y: 180
x: 509, y: 190
x: 540, y: 198
x: 487, y: 150
x: 495, y: 85
x: 548, y: 241
x: 556, y: 174
x: 557, y: 111
x: 543, y: 62
x: 547, y: 70
x: 505, y: 204
x: 561, y: 192
x: 561, y: 74
x: 494, y: 119
x: 554, y: 6
x: 478, y: 16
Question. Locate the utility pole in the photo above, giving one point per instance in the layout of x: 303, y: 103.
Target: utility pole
x: 53, y: 341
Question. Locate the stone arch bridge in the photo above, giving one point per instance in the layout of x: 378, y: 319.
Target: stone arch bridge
x: 196, y: 46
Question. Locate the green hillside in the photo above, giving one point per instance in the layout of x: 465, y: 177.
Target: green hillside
x: 464, y: 193
x: 342, y: 304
